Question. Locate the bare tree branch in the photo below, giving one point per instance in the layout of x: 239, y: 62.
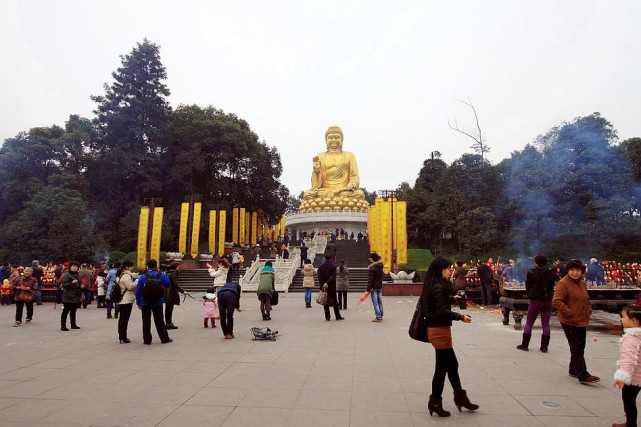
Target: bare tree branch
x: 479, y: 144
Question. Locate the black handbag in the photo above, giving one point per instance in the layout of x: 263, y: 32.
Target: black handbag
x: 274, y: 298
x: 418, y: 327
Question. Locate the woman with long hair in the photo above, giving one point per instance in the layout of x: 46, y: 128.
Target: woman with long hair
x: 437, y: 299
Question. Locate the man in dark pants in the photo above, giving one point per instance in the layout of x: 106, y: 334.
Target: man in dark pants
x: 152, y: 307
x: 228, y: 300
x: 327, y: 279
x: 485, y: 274
x: 303, y: 254
x: 38, y: 273
x: 572, y: 302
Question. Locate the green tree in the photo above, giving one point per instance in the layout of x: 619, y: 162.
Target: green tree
x: 130, y: 118
x: 55, y: 224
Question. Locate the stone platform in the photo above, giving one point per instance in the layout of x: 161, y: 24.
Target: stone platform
x: 318, y: 373
x: 350, y: 221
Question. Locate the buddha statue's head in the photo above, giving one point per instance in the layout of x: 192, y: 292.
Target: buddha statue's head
x: 334, y: 138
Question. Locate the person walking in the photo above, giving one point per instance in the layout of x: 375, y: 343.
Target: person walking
x: 228, y: 301
x: 572, y: 303
x: 375, y: 285
x: 266, y: 286
x: 26, y: 284
x: 303, y: 253
x: 436, y: 305
x: 327, y: 279
x: 540, y: 289
x: 172, y: 295
x: 308, y: 282
x: 128, y: 290
x: 85, y: 281
x: 211, y: 307
x: 38, y: 273
x: 149, y: 298
x: 71, y: 299
x: 342, y: 285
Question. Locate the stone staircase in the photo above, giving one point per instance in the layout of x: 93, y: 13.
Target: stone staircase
x: 198, y: 280
x: 356, y: 259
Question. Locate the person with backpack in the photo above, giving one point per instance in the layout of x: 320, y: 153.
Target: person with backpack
x: 149, y: 298
x: 127, y: 290
x: 72, y: 288
x: 110, y: 282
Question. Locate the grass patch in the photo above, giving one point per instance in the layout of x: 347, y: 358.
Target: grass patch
x: 417, y: 260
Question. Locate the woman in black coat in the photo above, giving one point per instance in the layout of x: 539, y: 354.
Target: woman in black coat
x: 172, y: 294
x: 436, y: 307
x: 71, y: 298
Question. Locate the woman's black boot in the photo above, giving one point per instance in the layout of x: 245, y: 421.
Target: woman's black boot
x: 525, y: 343
x: 436, y: 405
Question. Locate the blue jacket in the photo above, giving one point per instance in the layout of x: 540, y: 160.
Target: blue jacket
x: 110, y: 280
x: 153, y: 272
x: 233, y: 288
x: 595, y: 274
x: 5, y: 272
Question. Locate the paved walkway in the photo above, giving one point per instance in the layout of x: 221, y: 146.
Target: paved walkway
x: 350, y: 373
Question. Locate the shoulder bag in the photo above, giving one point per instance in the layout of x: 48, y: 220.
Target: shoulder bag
x: 418, y: 326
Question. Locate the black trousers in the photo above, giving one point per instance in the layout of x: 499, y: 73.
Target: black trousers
x: 227, y: 305
x: 342, y: 300
x: 446, y: 364
x: 123, y: 320
x: 20, y: 306
x: 70, y: 309
x: 169, y: 311
x: 576, y: 339
x: 161, y: 328
x: 629, y: 395
x: 337, y: 313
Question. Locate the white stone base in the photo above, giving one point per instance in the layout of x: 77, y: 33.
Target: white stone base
x: 351, y: 222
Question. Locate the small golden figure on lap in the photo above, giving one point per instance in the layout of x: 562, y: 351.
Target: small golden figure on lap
x: 335, y: 179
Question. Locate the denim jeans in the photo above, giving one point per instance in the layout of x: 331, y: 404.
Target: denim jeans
x: 377, y: 301
x: 308, y: 295
x: 39, y: 296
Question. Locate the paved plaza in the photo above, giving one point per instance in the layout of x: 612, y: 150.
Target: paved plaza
x: 318, y: 373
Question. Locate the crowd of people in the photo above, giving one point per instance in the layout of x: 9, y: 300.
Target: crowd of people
x: 116, y: 287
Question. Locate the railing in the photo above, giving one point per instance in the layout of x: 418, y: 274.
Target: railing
x: 284, y: 270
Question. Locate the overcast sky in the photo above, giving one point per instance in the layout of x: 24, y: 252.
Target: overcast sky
x: 389, y: 73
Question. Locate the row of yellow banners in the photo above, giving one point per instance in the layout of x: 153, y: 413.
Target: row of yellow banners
x: 246, y: 228
x: 387, y: 224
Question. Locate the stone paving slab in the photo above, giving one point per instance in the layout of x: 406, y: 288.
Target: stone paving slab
x: 318, y: 373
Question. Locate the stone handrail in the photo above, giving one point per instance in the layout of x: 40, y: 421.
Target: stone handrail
x: 284, y: 269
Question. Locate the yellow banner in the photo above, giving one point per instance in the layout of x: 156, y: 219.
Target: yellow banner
x: 222, y: 224
x: 143, y: 225
x: 282, y: 226
x: 276, y: 231
x: 241, y: 229
x: 156, y: 235
x: 234, y: 226
x: 401, y: 246
x: 195, y: 231
x: 248, y: 220
x: 212, y: 232
x: 254, y: 228
x: 370, y: 216
x: 182, y: 236
x: 386, y: 236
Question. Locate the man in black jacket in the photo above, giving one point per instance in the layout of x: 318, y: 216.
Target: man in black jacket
x: 375, y: 285
x: 327, y: 280
x: 485, y: 274
x: 303, y: 254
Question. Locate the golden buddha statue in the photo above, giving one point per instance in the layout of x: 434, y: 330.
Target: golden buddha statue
x: 335, y: 179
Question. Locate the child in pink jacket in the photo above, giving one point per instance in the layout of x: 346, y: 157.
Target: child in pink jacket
x: 211, y: 307
x: 628, y: 375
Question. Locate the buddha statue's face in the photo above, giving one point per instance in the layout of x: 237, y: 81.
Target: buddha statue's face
x: 334, y: 141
